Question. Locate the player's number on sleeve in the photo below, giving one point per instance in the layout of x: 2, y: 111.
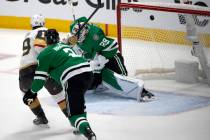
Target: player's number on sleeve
x: 104, y: 42
x: 70, y: 52
x: 26, y: 46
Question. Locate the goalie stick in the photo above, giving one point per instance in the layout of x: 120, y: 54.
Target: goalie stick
x: 93, y: 13
x: 73, y: 3
x: 76, y: 35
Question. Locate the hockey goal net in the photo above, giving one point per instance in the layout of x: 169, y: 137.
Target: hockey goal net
x: 152, y: 36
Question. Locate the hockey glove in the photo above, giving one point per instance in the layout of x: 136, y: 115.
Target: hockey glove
x: 69, y: 39
x: 29, y: 97
x: 98, y: 63
x: 102, y: 60
x: 94, y: 64
x: 72, y: 40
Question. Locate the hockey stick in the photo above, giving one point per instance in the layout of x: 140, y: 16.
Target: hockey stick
x: 92, y: 14
x: 73, y: 3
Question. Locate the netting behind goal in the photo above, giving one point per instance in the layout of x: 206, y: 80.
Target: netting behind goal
x: 153, y: 35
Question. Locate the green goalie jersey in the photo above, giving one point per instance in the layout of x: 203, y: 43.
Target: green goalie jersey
x: 60, y: 62
x: 96, y: 42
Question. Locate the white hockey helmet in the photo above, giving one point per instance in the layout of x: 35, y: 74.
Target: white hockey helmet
x: 37, y: 20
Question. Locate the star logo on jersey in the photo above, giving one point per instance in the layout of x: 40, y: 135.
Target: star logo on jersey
x: 95, y: 37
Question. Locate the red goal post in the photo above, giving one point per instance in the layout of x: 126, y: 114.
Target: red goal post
x: 157, y: 6
x: 163, y: 12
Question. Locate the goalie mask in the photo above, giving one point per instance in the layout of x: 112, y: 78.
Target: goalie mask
x: 79, y: 29
x: 37, y: 21
x: 52, y: 36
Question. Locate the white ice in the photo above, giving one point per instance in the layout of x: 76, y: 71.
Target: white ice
x: 111, y: 117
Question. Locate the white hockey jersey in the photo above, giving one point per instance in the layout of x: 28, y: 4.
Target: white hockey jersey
x: 33, y: 44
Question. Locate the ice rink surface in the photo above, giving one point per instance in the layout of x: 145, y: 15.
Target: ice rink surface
x: 180, y: 112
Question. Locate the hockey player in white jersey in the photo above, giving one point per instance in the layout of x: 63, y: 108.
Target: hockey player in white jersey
x: 33, y: 43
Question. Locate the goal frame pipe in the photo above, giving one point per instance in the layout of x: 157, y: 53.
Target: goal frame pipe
x: 155, y: 8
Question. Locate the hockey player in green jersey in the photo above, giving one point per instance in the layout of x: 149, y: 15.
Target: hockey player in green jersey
x: 72, y: 71
x: 90, y: 41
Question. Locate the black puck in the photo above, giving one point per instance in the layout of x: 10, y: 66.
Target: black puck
x: 152, y: 17
x: 75, y: 3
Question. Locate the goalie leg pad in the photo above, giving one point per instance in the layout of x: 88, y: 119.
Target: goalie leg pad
x: 122, y: 85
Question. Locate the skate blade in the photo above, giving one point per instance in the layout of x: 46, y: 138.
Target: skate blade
x: 82, y: 137
x: 44, y: 126
x: 76, y: 132
x: 93, y: 138
x: 146, y: 99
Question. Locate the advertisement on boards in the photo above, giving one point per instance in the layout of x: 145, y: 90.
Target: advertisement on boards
x: 60, y: 9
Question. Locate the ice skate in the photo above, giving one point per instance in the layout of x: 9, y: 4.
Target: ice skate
x: 89, y: 134
x: 146, y: 96
x: 76, y: 132
x: 41, y: 121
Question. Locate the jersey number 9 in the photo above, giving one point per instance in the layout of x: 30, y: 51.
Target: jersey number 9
x: 26, y: 46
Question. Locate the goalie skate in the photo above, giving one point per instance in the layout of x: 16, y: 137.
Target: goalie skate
x: 146, y: 96
x: 101, y: 88
x: 76, y: 132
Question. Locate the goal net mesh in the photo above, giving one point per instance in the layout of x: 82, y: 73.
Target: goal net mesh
x: 152, y: 36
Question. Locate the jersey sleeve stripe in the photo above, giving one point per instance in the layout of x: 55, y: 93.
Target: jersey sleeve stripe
x: 40, y: 78
x: 40, y: 75
x: 40, y: 43
x: 72, y: 69
x: 120, y: 65
x: 42, y: 72
x: 78, y: 120
x: 33, y: 91
x: 75, y: 66
x: 41, y: 46
x: 113, y: 46
x: 76, y: 72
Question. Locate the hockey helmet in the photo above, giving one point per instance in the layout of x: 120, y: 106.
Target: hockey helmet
x: 52, y: 36
x: 80, y: 30
x: 37, y: 20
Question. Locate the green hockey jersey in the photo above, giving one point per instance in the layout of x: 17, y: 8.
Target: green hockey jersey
x: 60, y: 62
x: 97, y: 42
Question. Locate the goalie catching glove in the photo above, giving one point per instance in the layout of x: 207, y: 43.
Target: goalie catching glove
x: 69, y: 39
x: 98, y: 62
x: 29, y: 97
